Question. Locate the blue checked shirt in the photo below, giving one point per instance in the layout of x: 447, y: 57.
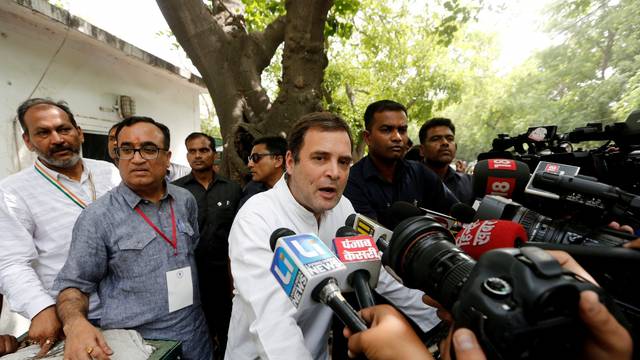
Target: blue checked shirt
x: 114, y: 251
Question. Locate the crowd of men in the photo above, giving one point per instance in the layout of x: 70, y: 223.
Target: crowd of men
x: 90, y: 245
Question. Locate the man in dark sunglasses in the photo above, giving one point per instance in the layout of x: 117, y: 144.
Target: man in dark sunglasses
x: 266, y: 165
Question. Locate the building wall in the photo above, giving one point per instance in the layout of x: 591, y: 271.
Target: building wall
x: 40, y: 57
x: 89, y: 75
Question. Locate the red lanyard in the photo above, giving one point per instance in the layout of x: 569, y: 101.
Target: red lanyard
x: 174, y: 241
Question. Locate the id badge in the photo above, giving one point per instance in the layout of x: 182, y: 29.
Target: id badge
x: 180, y: 288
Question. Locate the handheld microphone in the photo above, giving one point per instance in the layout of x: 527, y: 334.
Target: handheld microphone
x: 303, y: 262
x: 365, y: 226
x: 362, y: 259
x: 483, y: 235
x: 502, y: 177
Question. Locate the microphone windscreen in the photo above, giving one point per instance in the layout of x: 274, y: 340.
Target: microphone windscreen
x: 397, y: 212
x: 503, y: 177
x: 481, y: 236
x: 463, y: 213
x: 277, y: 234
x: 345, y: 231
x: 351, y: 219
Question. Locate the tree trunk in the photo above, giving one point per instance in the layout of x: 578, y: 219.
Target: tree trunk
x: 231, y: 60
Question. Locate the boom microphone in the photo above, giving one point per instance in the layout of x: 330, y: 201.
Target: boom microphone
x: 360, y: 255
x: 483, y: 235
x: 503, y: 177
x: 303, y: 262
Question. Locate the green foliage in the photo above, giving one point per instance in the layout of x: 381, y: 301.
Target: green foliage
x: 260, y: 13
x: 210, y: 127
x: 592, y: 75
x: 459, y: 13
x: 396, y: 54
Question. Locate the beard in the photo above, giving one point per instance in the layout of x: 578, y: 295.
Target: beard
x: 60, y: 163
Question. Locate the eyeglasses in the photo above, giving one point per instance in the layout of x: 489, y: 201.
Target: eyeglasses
x: 147, y: 152
x: 257, y: 157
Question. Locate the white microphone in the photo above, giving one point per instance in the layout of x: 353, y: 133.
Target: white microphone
x: 307, y: 270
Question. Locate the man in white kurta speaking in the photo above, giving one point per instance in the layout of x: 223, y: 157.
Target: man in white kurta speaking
x: 308, y: 199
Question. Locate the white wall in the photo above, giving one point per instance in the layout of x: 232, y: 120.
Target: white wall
x: 89, y: 75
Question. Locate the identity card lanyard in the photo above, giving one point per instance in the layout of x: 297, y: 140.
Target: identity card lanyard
x: 58, y: 185
x: 174, y: 241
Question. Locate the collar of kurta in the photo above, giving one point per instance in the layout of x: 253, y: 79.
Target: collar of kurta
x: 58, y: 176
x: 293, y: 206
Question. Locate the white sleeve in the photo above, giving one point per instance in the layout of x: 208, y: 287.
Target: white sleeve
x: 407, y: 300
x: 18, y: 280
x: 273, y: 328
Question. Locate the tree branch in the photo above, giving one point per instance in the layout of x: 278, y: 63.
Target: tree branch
x: 268, y: 41
x: 193, y: 25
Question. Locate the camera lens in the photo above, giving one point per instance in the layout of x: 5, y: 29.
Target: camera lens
x: 422, y: 253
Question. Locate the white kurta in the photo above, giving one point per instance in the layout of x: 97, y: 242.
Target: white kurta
x: 264, y: 323
x: 36, y: 221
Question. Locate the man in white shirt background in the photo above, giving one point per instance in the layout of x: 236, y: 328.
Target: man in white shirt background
x: 38, y: 207
x: 264, y: 323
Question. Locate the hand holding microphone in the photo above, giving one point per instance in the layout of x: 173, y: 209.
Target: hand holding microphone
x: 392, y: 338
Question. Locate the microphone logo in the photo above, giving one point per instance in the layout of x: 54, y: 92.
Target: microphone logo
x: 477, y: 233
x: 500, y: 186
x: 356, y: 249
x: 552, y: 168
x: 364, y: 227
x: 502, y: 164
x: 290, y: 278
x: 308, y: 248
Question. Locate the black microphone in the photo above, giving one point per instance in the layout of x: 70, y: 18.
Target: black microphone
x: 361, y: 257
x: 463, y: 212
x: 503, y: 177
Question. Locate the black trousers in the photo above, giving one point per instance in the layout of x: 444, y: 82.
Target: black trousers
x: 215, y: 295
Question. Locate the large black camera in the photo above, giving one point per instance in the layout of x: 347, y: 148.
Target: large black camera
x: 543, y: 229
x: 612, y: 162
x: 520, y: 303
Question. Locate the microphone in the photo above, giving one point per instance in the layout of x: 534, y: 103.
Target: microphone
x: 502, y: 177
x: 401, y: 210
x: 362, y: 259
x: 483, y: 235
x: 610, y: 266
x: 303, y: 262
x: 463, y: 212
x: 366, y: 226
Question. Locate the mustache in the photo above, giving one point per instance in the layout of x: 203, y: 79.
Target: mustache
x: 61, y: 147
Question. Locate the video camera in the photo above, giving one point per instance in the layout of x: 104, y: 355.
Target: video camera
x: 519, y: 302
x: 610, y: 163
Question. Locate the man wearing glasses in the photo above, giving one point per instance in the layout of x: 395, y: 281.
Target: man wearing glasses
x: 266, y: 165
x: 217, y: 199
x: 135, y: 246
